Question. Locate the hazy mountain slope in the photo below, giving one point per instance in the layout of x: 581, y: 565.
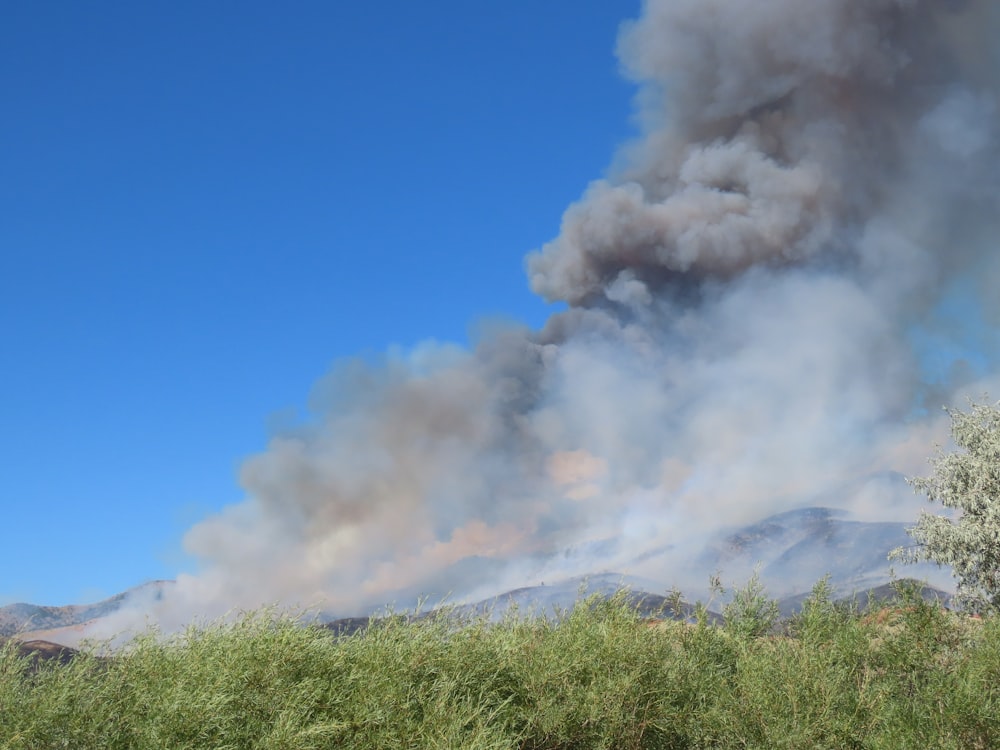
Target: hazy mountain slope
x: 790, y: 550
x: 21, y: 619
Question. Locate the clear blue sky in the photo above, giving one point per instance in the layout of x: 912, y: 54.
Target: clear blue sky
x: 207, y: 204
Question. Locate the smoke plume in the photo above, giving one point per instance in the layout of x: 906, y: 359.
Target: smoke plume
x: 752, y: 310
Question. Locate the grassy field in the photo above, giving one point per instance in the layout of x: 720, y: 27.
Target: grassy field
x: 912, y: 676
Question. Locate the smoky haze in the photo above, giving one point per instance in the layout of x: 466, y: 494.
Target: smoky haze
x: 750, y: 302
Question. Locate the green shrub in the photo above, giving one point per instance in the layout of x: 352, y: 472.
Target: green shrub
x: 597, y: 676
x: 966, y: 480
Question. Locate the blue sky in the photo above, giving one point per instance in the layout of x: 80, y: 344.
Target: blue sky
x: 207, y: 204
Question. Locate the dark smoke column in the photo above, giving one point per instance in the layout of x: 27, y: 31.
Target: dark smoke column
x: 744, y: 299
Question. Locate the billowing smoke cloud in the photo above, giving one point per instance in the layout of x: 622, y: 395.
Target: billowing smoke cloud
x: 751, y: 301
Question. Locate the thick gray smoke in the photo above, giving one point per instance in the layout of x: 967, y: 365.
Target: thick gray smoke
x: 749, y: 302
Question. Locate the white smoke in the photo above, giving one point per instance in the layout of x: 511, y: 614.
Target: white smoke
x: 744, y: 301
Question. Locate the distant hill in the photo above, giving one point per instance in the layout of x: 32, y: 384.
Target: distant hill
x: 791, y: 551
x: 26, y: 620
x: 553, y: 601
x: 37, y: 652
x: 862, y: 599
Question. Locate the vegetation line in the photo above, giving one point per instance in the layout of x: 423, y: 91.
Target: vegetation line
x: 597, y: 676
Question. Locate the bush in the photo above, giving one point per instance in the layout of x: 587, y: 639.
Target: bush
x: 596, y: 677
x: 751, y: 612
x: 968, y: 481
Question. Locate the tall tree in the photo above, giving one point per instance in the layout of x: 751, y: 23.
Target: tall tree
x: 966, y: 481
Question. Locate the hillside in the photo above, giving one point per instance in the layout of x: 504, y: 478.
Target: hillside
x: 790, y: 551
x: 29, y: 620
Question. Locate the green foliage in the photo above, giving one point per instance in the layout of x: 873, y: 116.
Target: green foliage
x: 597, y: 676
x: 751, y: 612
x: 968, y: 481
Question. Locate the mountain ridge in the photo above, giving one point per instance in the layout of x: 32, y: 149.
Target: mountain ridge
x: 788, y: 551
